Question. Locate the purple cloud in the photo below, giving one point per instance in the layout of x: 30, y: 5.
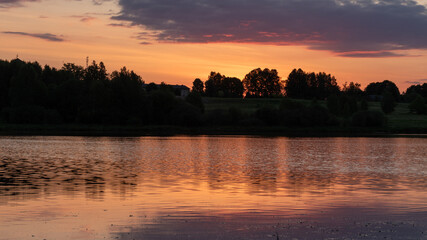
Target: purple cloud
x: 13, y: 3
x: 45, y: 36
x: 342, y: 26
x: 374, y: 54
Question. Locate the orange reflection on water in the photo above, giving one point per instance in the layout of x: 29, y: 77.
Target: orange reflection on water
x: 175, y: 187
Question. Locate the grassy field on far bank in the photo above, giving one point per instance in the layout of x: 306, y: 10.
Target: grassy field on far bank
x: 398, y: 120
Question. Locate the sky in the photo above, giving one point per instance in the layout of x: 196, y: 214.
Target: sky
x: 176, y: 41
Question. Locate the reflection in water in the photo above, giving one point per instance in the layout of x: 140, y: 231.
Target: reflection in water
x: 212, y: 188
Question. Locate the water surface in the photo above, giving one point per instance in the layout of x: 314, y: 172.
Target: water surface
x: 212, y: 188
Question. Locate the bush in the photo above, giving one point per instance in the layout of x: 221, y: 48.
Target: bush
x: 195, y: 99
x: 368, y: 119
x: 292, y: 117
x: 364, y: 105
x: 161, y: 103
x: 288, y: 104
x: 418, y: 106
x: 268, y: 115
x: 186, y: 114
x: 348, y: 106
x: 410, y: 97
x: 316, y: 116
x: 333, y: 104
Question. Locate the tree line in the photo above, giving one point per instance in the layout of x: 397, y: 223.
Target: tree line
x: 32, y: 94
x: 266, y: 83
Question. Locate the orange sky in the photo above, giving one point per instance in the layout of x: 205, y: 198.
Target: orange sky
x: 85, y: 28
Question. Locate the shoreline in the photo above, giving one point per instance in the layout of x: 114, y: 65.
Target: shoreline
x: 135, y: 131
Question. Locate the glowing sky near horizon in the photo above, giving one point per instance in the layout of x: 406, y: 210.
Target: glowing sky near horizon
x: 176, y: 41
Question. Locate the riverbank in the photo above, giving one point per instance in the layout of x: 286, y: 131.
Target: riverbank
x: 116, y: 130
x: 399, y: 123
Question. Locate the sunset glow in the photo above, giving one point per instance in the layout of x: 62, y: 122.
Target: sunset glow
x: 176, y: 42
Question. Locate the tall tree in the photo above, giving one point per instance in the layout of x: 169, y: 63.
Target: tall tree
x: 198, y: 86
x: 262, y: 83
x: 128, y: 93
x: 352, y: 89
x: 26, y: 88
x: 418, y: 89
x: 232, y: 87
x: 379, y: 89
x: 213, y: 84
x: 296, y: 85
x: 73, y: 71
x: 326, y: 85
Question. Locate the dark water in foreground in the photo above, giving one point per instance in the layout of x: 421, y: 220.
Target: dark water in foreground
x: 213, y: 188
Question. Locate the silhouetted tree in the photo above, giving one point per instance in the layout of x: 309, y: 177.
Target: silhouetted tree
x: 388, y: 102
x: 310, y: 85
x: 379, y: 88
x: 232, y: 87
x: 97, y: 95
x: 417, y: 89
x: 69, y: 99
x: 26, y: 88
x: 262, y: 83
x: 5, y: 76
x: 326, y: 84
x: 352, y: 89
x: 128, y: 96
x: 73, y: 71
x: 296, y: 85
x: 95, y: 73
x: 213, y: 84
x: 418, y: 106
x: 198, y: 86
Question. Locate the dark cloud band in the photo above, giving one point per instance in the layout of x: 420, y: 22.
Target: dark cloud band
x: 13, y: 3
x: 45, y: 36
x: 341, y: 26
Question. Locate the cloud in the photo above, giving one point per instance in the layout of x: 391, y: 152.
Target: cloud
x: 372, y: 54
x: 18, y: 3
x: 417, y: 82
x: 14, y: 3
x: 124, y: 25
x: 100, y: 2
x: 45, y: 36
x: 340, y: 26
x: 84, y: 18
x: 413, y: 82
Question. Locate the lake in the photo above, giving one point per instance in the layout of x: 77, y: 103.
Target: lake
x: 227, y: 187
